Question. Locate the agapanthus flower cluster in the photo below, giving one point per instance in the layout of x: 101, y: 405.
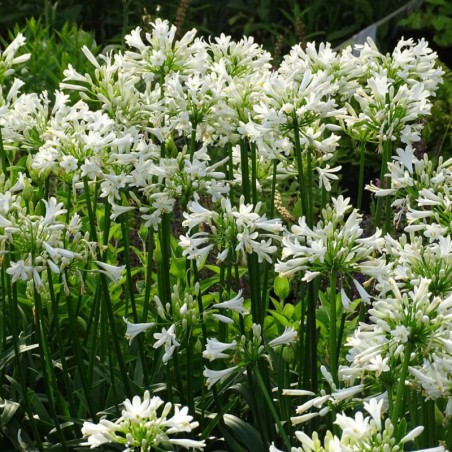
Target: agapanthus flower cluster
x: 336, y: 243
x: 144, y: 424
x: 419, y: 258
x: 361, y: 433
x: 35, y: 241
x: 395, y: 96
x: 242, y: 352
x: 421, y: 191
x: 412, y: 321
x: 241, y: 230
x: 336, y: 399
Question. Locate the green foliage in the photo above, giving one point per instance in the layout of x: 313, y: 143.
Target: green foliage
x: 52, y: 50
x: 437, y: 134
x: 434, y: 15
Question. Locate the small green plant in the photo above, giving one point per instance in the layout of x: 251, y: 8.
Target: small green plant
x: 52, y: 51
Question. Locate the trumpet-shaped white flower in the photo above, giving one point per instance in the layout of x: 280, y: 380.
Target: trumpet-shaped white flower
x: 113, y: 272
x: 214, y: 376
x: 288, y: 336
x: 134, y: 329
x: 215, y: 349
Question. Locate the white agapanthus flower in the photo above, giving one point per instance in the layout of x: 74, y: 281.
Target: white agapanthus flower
x: 41, y: 241
x: 143, y: 424
x: 334, y: 244
x: 359, y: 433
x: 167, y: 339
x: 405, y: 316
x: 242, y: 229
x: 133, y: 329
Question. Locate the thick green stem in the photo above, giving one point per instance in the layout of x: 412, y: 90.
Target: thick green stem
x: 400, y: 395
x: 89, y: 208
x: 253, y: 173
x: 78, y: 356
x: 149, y: 256
x: 245, y: 171
x: 310, y: 368
x: 362, y: 155
x: 333, y: 325
x: 130, y: 292
x: 192, y: 142
x: 271, y: 407
x: 11, y: 290
x: 257, y: 310
x: 384, y: 183
x: 301, y: 177
x: 48, y: 374
x: 3, y: 161
x: 68, y: 387
x: 267, y: 265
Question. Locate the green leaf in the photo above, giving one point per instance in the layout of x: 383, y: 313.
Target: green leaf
x: 244, y: 433
x: 281, y: 319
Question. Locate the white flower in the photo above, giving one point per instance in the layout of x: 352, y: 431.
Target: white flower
x: 378, y: 365
x: 213, y: 376
x: 234, y: 304
x: 133, y: 329
x: 68, y: 163
x: 19, y: 270
x: 188, y: 443
x: 215, y: 348
x: 53, y: 210
x: 167, y: 338
x: 141, y: 425
x: 112, y: 271
x: 99, y: 434
x: 181, y: 421
x: 137, y: 410
x: 288, y: 336
x: 326, y: 175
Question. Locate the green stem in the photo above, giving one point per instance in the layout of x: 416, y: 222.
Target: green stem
x: 117, y: 347
x: 267, y: 265
x: 253, y: 173
x: 11, y: 290
x: 89, y: 208
x: 309, y: 190
x: 399, y: 402
x: 193, y: 142
x: 384, y: 183
x: 430, y: 427
x: 271, y: 407
x: 310, y: 369
x: 362, y: 155
x: 245, y: 171
x: 257, y: 310
x: 78, y: 357
x: 333, y: 325
x: 148, y: 286
x: 47, y: 365
x: 68, y: 388
x: 130, y: 293
x: 3, y: 161
x: 301, y: 178
x: 340, y: 335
